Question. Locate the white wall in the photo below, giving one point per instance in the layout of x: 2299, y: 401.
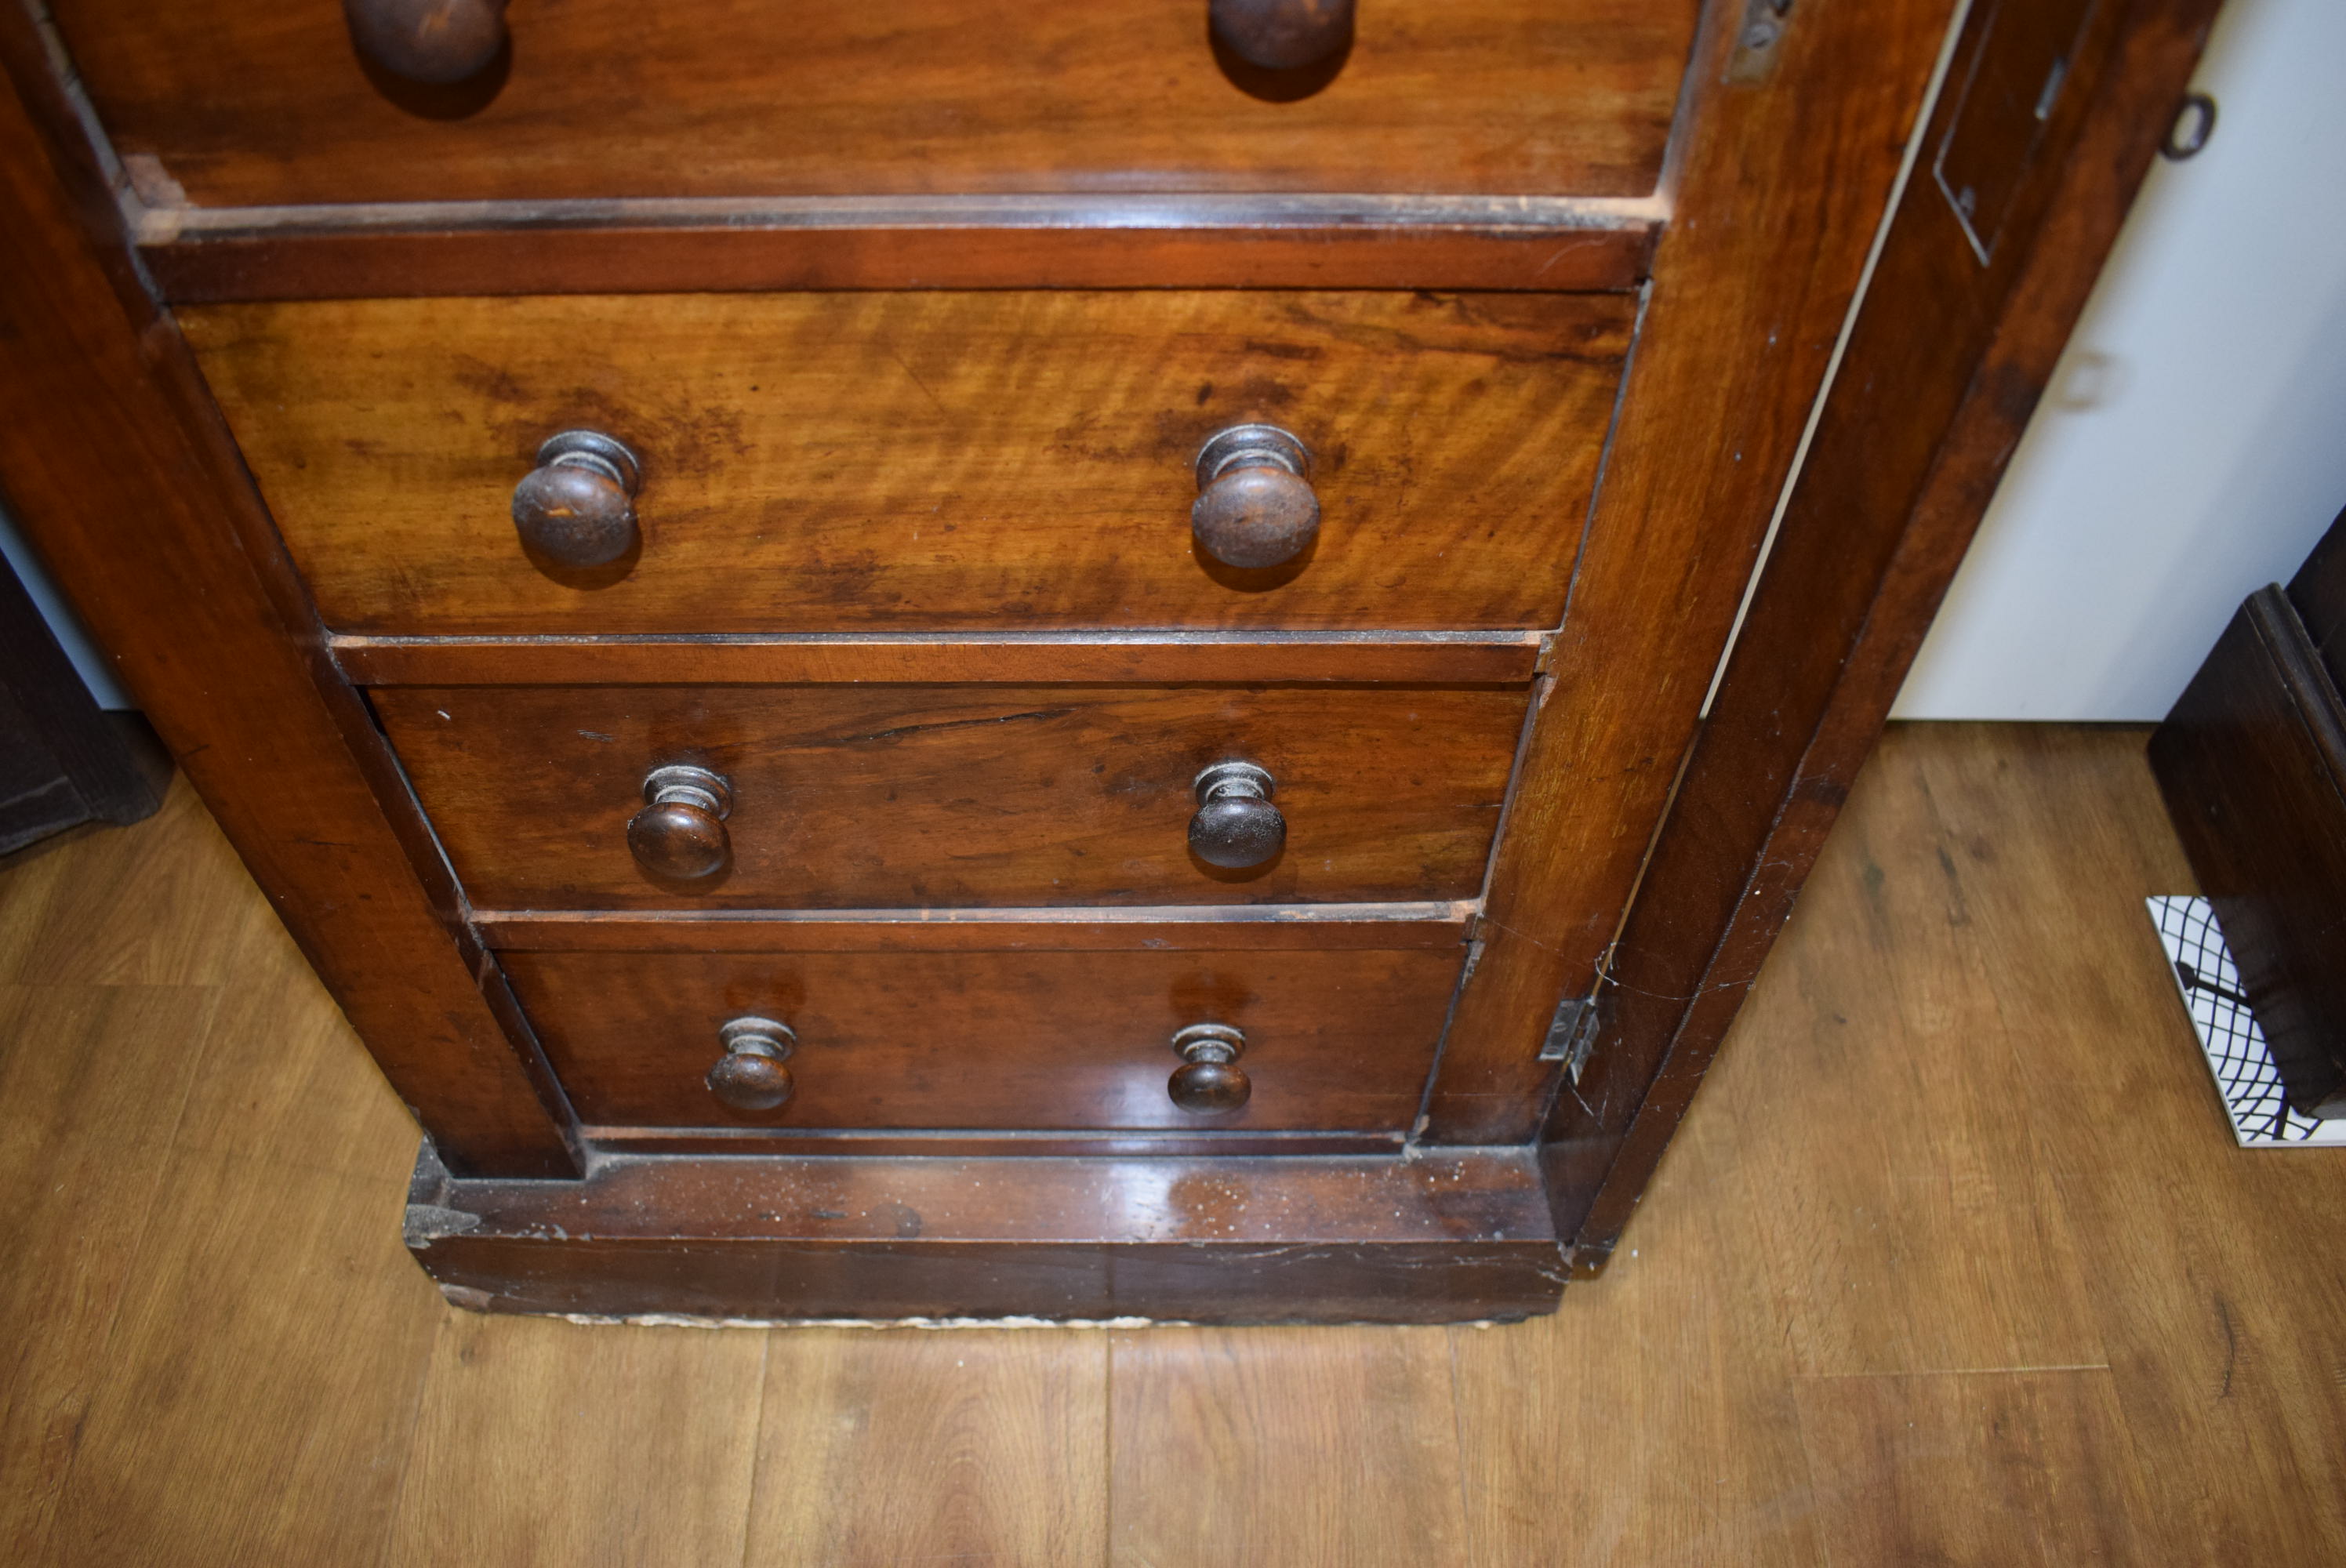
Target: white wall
x: 2192, y: 446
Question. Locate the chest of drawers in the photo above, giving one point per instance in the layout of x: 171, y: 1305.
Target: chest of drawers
x: 957, y: 659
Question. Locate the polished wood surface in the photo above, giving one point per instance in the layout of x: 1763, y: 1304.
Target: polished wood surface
x: 1763, y: 246
x: 1894, y: 485
x: 1082, y: 1040
x: 925, y: 461
x: 493, y: 248
x: 121, y: 474
x: 1282, y: 35
x: 1493, y: 1194
x: 219, y: 1239
x: 1424, y: 658
x: 2252, y: 761
x: 732, y: 97
x: 1157, y: 1144
x: 1751, y: 284
x: 439, y: 42
x: 1200, y: 1237
x: 1209, y: 928
x: 2318, y: 593
x: 879, y: 796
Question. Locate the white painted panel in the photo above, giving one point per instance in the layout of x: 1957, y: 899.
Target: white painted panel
x: 2192, y: 446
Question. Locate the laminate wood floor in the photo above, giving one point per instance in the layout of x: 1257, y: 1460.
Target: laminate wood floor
x: 1954, y: 1263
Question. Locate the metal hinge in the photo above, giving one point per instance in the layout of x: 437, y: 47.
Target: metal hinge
x: 1571, y: 1035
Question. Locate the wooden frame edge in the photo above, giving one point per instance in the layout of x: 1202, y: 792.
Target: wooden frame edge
x: 1874, y: 530
x: 1506, y: 659
x: 198, y: 256
x: 124, y: 477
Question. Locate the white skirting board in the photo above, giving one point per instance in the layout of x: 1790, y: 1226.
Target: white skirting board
x: 2201, y: 967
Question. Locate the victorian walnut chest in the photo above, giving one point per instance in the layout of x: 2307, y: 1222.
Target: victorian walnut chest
x: 943, y: 658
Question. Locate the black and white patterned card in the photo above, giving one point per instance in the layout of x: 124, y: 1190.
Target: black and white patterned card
x: 2202, y: 970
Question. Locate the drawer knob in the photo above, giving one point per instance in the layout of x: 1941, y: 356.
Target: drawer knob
x: 750, y: 1076
x: 1208, y: 1082
x: 1282, y: 35
x: 1236, y: 825
x: 436, y: 41
x: 577, y: 507
x: 1255, y: 504
x: 681, y: 831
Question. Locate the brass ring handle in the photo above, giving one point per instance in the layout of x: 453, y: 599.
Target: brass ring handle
x: 1255, y: 504
x: 680, y: 833
x: 577, y: 507
x: 1282, y: 35
x: 436, y: 41
x: 750, y: 1076
x: 1208, y: 1083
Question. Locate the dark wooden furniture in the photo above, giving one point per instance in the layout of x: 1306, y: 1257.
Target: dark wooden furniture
x: 64, y: 761
x: 991, y: 660
x: 2252, y: 761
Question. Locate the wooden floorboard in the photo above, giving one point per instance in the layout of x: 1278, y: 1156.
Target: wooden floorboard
x: 1997, y: 1470
x: 1928, y: 1237
x: 1651, y: 1422
x: 1317, y: 1447
x: 91, y: 1090
x: 540, y: 1443
x: 1954, y: 1263
x: 975, y: 1448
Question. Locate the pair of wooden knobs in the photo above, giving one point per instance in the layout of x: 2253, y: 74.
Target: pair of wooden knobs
x: 443, y: 41
x: 679, y: 835
x: 754, y: 1075
x: 1255, y: 509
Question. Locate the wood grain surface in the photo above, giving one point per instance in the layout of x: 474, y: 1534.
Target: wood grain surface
x: 1198, y: 929
x: 1157, y: 659
x: 922, y: 461
x: 568, y: 1492
x: 2252, y: 762
x: 523, y: 247
x: 1334, y: 1040
x: 2318, y: 593
x: 1893, y: 484
x: 241, y: 1272
x: 1250, y: 1454
x: 731, y: 97
x: 971, y: 1424
x: 1199, y: 1236
x: 889, y: 797
x: 1752, y: 284
x: 123, y: 477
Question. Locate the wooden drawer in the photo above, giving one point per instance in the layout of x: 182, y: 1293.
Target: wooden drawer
x: 885, y: 797
x: 245, y: 105
x: 925, y: 461
x: 1044, y: 1040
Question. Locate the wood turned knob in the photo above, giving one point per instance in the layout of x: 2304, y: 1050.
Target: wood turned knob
x: 1255, y: 504
x: 1208, y: 1083
x: 680, y: 833
x: 577, y: 507
x: 1236, y: 825
x: 1282, y: 35
x: 435, y: 41
x: 750, y: 1076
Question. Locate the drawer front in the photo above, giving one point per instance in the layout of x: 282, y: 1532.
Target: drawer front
x: 929, y: 461
x: 889, y: 797
x: 246, y: 106
x: 1038, y: 1041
